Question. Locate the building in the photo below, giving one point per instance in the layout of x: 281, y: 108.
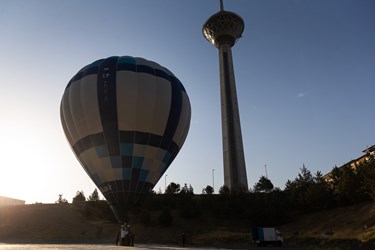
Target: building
x: 369, y: 153
x: 223, y: 29
x: 6, y: 201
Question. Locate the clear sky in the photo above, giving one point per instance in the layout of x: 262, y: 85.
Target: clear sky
x: 305, y: 74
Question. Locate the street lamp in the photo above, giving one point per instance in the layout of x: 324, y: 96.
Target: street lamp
x: 213, y: 179
x: 165, y: 183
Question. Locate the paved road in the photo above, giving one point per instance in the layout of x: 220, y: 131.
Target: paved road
x: 111, y: 247
x: 147, y: 247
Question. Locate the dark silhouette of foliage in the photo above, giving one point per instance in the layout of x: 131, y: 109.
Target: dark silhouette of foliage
x: 366, y: 171
x: 173, y: 188
x: 350, y: 188
x: 224, y: 190
x: 208, y: 190
x: 239, y: 189
x: 263, y: 206
x: 263, y: 185
x: 61, y: 200
x: 309, y: 192
x: 96, y: 209
x: 80, y: 197
x: 94, y: 196
x: 165, y: 217
x: 187, y: 190
x: 145, y: 217
x: 190, y: 209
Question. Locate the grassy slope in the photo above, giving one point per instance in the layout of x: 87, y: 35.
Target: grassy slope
x: 50, y: 222
x: 65, y: 223
x: 349, y: 225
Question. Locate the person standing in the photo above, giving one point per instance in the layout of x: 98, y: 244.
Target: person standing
x: 121, y: 236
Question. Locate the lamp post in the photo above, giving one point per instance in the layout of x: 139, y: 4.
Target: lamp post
x: 165, y: 183
x: 213, y: 179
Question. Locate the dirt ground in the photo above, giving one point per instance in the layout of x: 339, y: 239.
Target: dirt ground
x: 352, y: 226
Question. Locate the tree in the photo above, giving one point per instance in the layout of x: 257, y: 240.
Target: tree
x: 263, y: 185
x: 335, y: 177
x: 80, y: 196
x: 187, y: 190
x: 191, y: 189
x: 350, y: 189
x: 289, y: 185
x: 94, y: 196
x: 208, y: 190
x: 303, y: 182
x: 61, y: 200
x: 309, y: 191
x: 224, y: 190
x: 319, y: 194
x: 318, y: 178
x: 173, y: 188
x: 304, y: 177
x: 366, y: 171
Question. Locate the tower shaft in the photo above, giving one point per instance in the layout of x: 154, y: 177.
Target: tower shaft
x: 223, y: 29
x: 234, y: 161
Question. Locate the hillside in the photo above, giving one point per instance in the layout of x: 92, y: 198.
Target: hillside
x: 50, y: 223
x: 350, y: 227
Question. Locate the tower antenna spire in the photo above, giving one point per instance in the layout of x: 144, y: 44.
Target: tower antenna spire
x: 221, y: 5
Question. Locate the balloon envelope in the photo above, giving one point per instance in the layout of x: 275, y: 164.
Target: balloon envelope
x: 126, y: 119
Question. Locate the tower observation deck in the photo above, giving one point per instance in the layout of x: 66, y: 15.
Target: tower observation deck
x: 223, y: 29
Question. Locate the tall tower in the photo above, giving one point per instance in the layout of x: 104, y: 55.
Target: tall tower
x: 223, y: 29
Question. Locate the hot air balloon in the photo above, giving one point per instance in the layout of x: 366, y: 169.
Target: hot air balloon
x: 126, y: 118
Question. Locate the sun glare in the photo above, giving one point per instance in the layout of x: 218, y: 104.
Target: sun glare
x: 27, y: 145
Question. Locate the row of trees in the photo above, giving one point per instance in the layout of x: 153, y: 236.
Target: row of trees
x: 262, y: 204
x: 265, y: 204
x: 79, y: 197
x: 345, y: 185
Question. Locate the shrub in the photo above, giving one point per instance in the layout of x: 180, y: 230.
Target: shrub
x: 165, y: 217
